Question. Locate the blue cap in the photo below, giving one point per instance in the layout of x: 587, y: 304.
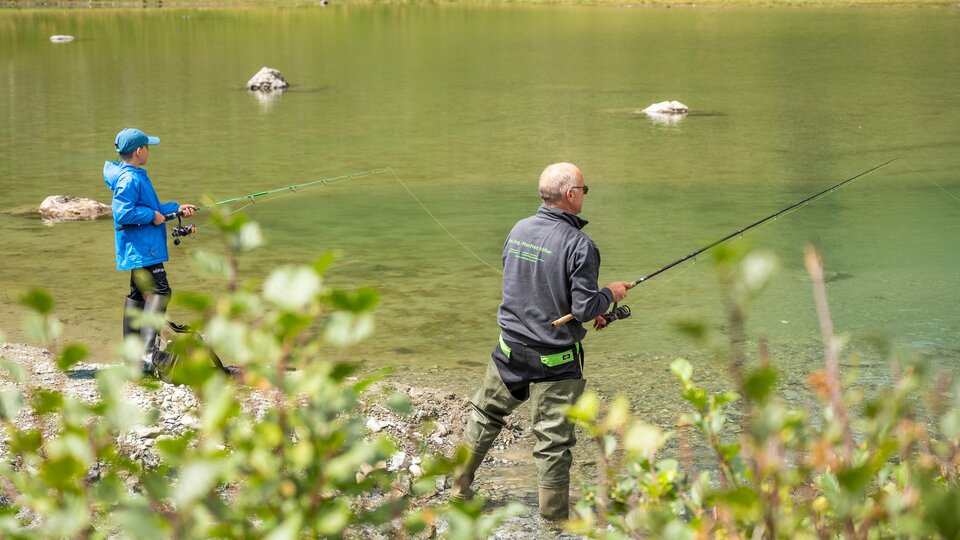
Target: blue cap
x: 129, y: 139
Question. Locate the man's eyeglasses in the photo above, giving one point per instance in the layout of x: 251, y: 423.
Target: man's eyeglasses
x: 585, y: 188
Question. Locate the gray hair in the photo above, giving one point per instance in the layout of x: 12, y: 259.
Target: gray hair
x: 556, y: 180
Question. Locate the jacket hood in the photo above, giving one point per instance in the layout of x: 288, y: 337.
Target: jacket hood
x: 112, y: 171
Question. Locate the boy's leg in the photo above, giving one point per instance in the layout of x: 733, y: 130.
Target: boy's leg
x: 156, y: 302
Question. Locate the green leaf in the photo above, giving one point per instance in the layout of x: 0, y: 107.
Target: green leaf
x: 38, y: 300
x: 211, y: 264
x: 192, y: 301
x: 345, y: 328
x: 292, y: 287
x: 195, y: 481
x: 642, y: 439
x: 760, y: 382
x: 11, y: 402
x: 741, y: 500
x: 323, y: 262
x: 47, y: 401
x: 950, y: 424
x: 854, y: 479
x: 586, y: 408
x: 26, y: 442
x: 357, y: 302
x: 248, y: 238
x: 682, y: 369
x: 71, y: 355
x: 14, y: 369
x: 756, y: 269
x: 41, y: 328
x: 400, y: 403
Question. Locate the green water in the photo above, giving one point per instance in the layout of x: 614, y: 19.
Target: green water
x: 467, y: 105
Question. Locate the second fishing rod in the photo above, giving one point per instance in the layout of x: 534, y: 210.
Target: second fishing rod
x: 181, y: 230
x: 622, y: 312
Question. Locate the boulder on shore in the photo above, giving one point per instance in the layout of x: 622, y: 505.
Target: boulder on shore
x: 267, y: 80
x: 66, y: 208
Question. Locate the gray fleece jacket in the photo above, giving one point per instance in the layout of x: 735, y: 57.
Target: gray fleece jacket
x: 550, y: 268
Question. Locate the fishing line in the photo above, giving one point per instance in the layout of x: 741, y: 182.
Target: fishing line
x: 928, y: 179
x: 252, y: 198
x: 450, y: 234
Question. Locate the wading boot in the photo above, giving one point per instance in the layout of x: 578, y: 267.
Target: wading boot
x: 555, y: 503
x: 131, y: 308
x: 463, y: 476
x: 150, y: 334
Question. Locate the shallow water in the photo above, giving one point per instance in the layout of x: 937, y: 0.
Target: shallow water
x: 467, y: 105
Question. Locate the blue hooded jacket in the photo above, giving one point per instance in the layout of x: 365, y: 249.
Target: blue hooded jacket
x: 134, y: 203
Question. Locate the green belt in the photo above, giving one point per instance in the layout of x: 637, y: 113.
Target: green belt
x: 551, y: 360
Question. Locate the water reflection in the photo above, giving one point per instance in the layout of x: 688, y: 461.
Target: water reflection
x: 267, y: 99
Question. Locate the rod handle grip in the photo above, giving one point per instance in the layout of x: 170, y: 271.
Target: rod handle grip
x: 563, y: 320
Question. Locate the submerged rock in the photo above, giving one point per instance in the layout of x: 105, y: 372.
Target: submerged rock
x: 267, y: 80
x: 66, y: 208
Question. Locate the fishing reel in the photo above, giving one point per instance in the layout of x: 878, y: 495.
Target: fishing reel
x: 181, y: 230
x: 616, y: 313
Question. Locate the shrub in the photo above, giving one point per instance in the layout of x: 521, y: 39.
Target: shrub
x: 866, y: 469
x: 302, y: 466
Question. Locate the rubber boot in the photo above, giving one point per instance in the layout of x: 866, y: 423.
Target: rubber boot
x: 555, y: 440
x: 555, y: 503
x: 463, y: 476
x: 156, y: 303
x: 131, y: 308
x: 489, y: 409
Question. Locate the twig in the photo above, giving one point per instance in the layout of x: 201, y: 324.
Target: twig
x: 814, y: 264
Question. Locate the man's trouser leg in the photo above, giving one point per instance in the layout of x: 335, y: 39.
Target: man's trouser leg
x: 489, y: 409
x: 555, y: 439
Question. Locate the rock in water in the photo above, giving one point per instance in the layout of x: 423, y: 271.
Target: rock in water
x: 65, y: 208
x: 267, y: 80
x: 667, y: 107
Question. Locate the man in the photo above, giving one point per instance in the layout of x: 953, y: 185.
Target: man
x: 141, y: 237
x: 550, y: 268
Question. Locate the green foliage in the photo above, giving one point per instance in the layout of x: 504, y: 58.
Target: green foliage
x: 303, y: 465
x: 784, y: 475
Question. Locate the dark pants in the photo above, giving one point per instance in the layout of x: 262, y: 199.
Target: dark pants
x: 158, y: 276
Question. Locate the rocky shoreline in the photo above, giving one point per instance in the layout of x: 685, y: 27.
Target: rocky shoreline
x: 435, y: 423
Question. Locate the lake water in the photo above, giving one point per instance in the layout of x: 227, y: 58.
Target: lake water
x: 466, y: 105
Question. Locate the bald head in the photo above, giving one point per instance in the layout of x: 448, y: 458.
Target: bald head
x: 561, y: 186
x: 556, y: 180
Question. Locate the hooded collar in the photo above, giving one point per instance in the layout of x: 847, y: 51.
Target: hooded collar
x: 556, y: 214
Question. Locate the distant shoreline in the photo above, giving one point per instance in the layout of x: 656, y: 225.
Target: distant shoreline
x: 222, y: 4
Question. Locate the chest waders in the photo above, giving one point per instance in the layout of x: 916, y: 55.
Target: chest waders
x: 531, y: 373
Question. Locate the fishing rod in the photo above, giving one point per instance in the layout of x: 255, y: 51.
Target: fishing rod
x: 619, y: 313
x: 182, y: 230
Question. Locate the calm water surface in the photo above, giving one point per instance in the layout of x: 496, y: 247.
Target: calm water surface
x: 467, y: 105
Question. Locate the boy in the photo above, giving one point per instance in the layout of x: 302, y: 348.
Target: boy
x: 141, y: 237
